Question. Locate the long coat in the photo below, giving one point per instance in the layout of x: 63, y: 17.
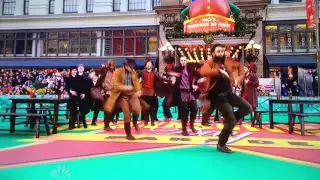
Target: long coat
x: 250, y: 90
x: 118, y: 85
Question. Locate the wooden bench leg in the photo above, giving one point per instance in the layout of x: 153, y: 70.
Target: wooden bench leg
x: 37, y: 127
x: 260, y: 120
x: 302, y: 125
x: 46, y: 125
x: 291, y: 124
x: 253, y: 120
x: 5, y: 117
x: 50, y: 115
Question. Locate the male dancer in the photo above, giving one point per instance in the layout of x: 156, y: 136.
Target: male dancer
x: 125, y: 93
x: 219, y: 74
x: 105, y: 83
x: 237, y: 77
x: 148, y: 78
x: 186, y: 100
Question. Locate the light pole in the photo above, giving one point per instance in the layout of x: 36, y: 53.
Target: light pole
x: 167, y: 52
x: 252, y: 49
x: 318, y: 41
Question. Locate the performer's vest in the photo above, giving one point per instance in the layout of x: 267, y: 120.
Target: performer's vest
x: 220, y: 86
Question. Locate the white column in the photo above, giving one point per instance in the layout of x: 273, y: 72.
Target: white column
x: 18, y: 11
x: 124, y: 6
x: 99, y: 34
x: 82, y: 6
x: 58, y: 7
x: 37, y: 7
x: 102, y: 6
x: 274, y: 1
x: 149, y: 5
x: 34, y: 45
x: 1, y: 7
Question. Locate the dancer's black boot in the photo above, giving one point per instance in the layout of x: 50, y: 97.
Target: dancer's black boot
x: 153, y: 117
x: 184, y: 123
x: 107, y: 120
x: 135, y: 122
x: 127, y: 129
x: 84, y: 122
x: 222, y: 142
x: 193, y: 129
x: 145, y: 117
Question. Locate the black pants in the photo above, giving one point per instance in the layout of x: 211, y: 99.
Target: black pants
x: 187, y: 109
x: 97, y: 106
x: 156, y: 107
x: 166, y: 110
x: 226, y: 108
x: 150, y: 113
x: 206, y: 116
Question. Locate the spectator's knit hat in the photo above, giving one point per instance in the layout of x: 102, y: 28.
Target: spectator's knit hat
x: 73, y: 67
x: 130, y: 62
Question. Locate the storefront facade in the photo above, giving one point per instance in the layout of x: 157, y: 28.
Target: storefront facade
x: 66, y: 30
x: 290, y: 45
x: 252, y: 13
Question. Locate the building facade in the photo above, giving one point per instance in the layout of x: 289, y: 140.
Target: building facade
x: 288, y: 40
x: 64, y: 32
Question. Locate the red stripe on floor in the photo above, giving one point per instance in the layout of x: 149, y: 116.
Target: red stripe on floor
x: 66, y: 149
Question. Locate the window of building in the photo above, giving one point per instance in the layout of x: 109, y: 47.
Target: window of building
x: 271, y: 39
x: 16, y: 44
x: 26, y: 7
x: 297, y: 38
x: 116, y: 5
x: 51, y: 6
x: 156, y: 2
x: 312, y: 39
x: 70, y: 6
x: 8, y: 7
x: 68, y: 43
x: 289, y: 1
x: 89, y: 5
x: 285, y: 38
x: 300, y: 38
x: 135, y: 5
x: 130, y: 42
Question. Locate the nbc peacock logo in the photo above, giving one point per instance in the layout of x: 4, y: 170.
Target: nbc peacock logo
x: 61, y: 172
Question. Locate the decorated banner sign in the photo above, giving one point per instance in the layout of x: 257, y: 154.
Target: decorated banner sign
x: 310, y: 10
x: 208, y: 23
x: 204, y: 16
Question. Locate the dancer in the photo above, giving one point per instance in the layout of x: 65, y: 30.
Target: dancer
x: 125, y: 93
x: 219, y: 74
x: 149, y: 78
x: 250, y: 86
x: 105, y: 84
x: 186, y: 99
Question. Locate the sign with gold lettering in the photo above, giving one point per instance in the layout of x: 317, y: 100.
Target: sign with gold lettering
x: 209, y: 23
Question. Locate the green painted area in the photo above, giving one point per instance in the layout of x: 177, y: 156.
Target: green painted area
x: 202, y: 162
x: 8, y: 140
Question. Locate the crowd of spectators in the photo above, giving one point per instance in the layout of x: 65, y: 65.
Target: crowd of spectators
x: 21, y: 81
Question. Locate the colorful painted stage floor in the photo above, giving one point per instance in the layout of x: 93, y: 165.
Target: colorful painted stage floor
x: 160, y: 152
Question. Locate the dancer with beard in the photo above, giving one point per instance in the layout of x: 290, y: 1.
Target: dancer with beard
x: 104, y: 84
x: 220, y: 82
x: 125, y: 93
x: 236, y: 76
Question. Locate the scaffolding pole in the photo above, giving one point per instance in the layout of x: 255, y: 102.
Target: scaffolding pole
x: 318, y: 42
